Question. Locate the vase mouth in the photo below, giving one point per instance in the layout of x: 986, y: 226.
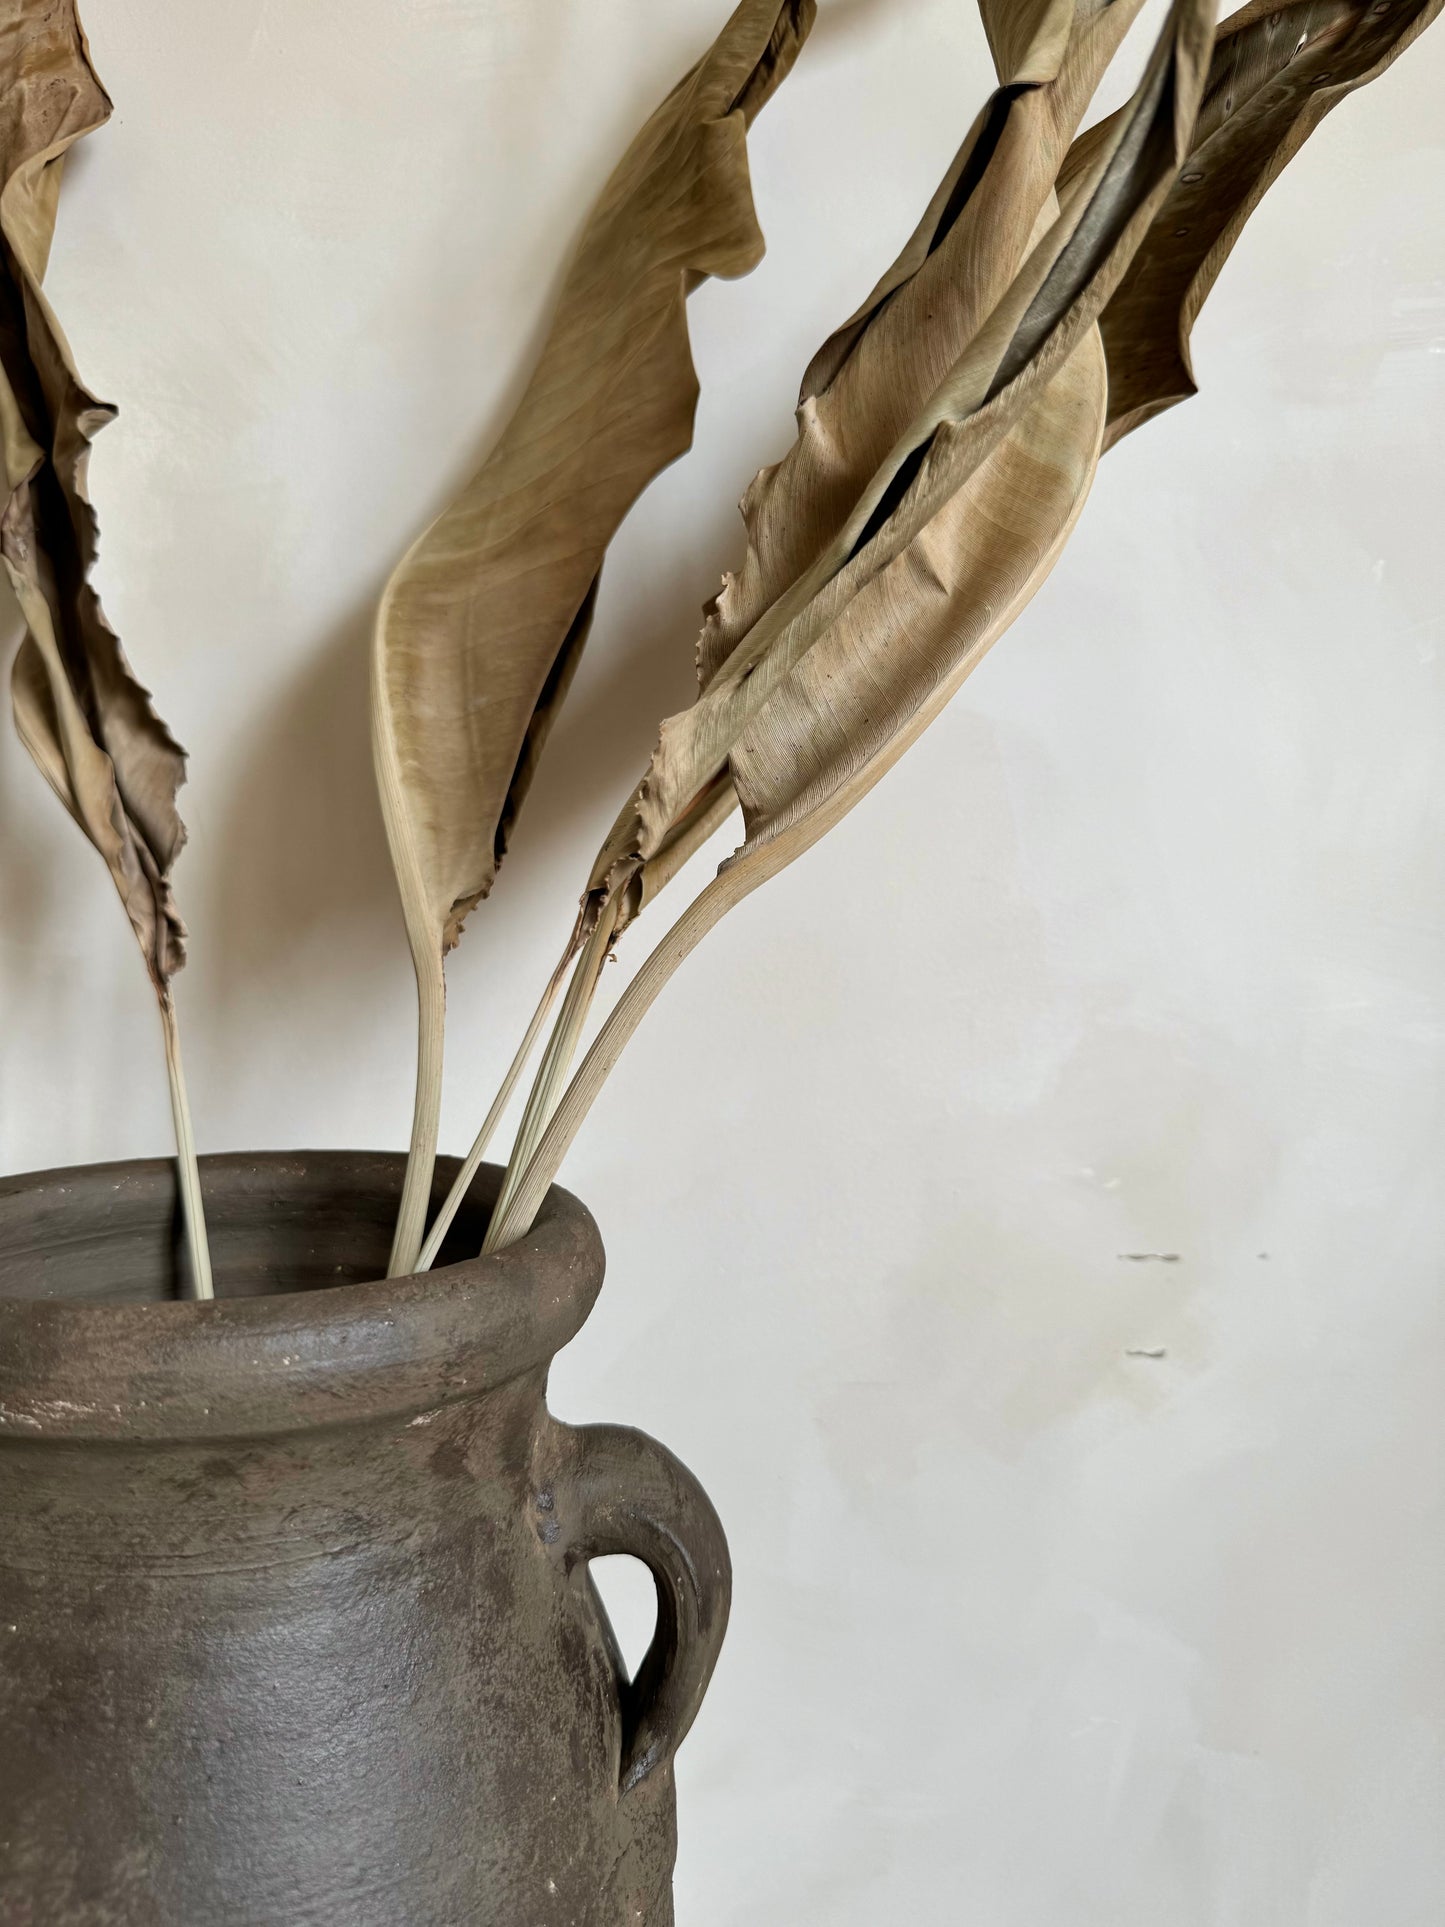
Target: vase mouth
x: 304, y: 1330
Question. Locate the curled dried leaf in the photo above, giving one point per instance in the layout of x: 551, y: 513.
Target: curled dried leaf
x: 87, y: 722
x: 79, y: 709
x: 1278, y: 68
x: 483, y: 623
x: 484, y: 620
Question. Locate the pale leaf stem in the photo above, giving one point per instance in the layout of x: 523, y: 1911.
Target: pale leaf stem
x: 516, y: 1210
x: 556, y: 1061
x: 500, y: 1102
x: 192, y: 1209
x: 431, y: 1007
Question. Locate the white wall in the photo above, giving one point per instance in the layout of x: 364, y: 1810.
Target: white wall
x: 1139, y: 951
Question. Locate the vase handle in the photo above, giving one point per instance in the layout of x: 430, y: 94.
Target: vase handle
x: 618, y: 1491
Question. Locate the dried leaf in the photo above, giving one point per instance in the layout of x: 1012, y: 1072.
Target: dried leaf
x: 85, y: 719
x: 482, y: 624
x: 483, y: 621
x: 1278, y: 68
x: 87, y: 722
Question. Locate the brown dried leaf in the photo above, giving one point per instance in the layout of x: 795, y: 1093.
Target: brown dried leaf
x: 482, y: 624
x: 1278, y: 68
x: 85, y: 719
x: 872, y: 378
x: 483, y: 621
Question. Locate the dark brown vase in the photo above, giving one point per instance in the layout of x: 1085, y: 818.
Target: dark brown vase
x: 296, y: 1626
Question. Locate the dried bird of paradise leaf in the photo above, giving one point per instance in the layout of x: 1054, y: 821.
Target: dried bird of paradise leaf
x: 80, y: 712
x: 1277, y: 70
x: 481, y: 626
x: 947, y: 438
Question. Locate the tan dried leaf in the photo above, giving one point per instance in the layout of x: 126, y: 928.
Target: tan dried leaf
x: 1277, y: 70
x: 481, y: 627
x: 87, y: 722
x: 483, y: 621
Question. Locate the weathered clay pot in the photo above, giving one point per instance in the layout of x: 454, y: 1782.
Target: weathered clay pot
x: 296, y: 1628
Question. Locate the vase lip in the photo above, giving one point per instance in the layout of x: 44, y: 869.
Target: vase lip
x: 73, y: 1366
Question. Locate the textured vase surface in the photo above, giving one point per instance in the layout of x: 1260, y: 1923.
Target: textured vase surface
x: 296, y: 1624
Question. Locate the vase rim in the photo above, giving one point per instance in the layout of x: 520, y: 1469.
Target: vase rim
x: 74, y: 1366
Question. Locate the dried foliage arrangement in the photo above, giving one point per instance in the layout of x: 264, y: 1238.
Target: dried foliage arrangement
x: 947, y: 436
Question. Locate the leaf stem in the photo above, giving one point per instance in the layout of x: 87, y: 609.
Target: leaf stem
x: 431, y: 1008
x: 192, y: 1209
x: 556, y: 1061
x: 443, y: 1221
x: 527, y: 1186
x: 753, y: 865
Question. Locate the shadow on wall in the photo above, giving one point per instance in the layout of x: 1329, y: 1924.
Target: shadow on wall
x: 297, y: 889
x: 300, y: 862
x: 298, y: 886
x: 638, y: 669
x: 300, y: 866
x: 838, y: 18
x: 296, y: 871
